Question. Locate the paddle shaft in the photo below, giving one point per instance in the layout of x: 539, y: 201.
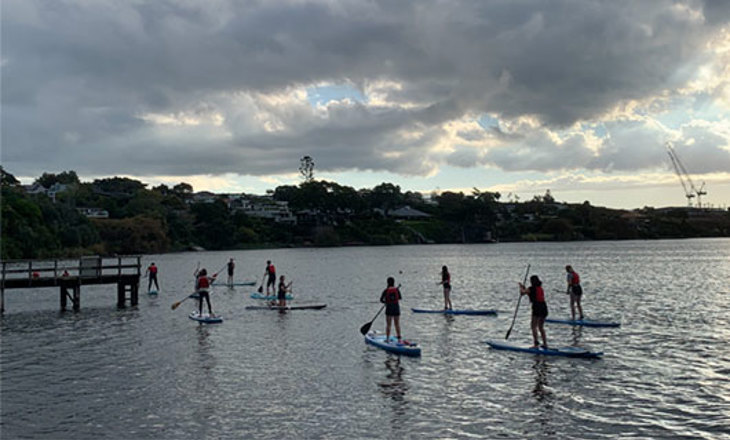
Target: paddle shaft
x: 518, y: 305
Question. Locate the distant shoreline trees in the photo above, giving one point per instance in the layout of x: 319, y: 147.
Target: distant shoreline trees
x: 318, y: 213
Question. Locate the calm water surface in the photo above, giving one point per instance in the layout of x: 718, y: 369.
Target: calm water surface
x: 150, y: 372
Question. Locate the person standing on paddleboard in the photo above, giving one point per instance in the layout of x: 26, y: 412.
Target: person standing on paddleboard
x: 283, y: 290
x: 231, y: 265
x: 575, y: 291
x: 390, y: 297
x: 270, y: 271
x: 202, y: 284
x: 446, y: 282
x: 152, y: 275
x: 539, y: 309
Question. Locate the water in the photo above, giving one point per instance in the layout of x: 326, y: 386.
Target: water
x: 150, y: 372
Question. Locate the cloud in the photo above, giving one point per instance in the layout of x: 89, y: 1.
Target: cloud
x: 165, y: 88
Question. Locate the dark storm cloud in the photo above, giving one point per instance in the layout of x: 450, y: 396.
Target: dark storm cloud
x: 78, y: 79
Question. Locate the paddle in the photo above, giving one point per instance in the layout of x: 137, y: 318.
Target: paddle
x: 518, y: 305
x: 261, y: 287
x: 366, y: 327
x: 177, y: 304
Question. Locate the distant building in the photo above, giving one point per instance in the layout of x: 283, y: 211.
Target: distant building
x: 408, y: 213
x: 203, y: 197
x: 51, y: 192
x: 263, y: 207
x: 93, y: 212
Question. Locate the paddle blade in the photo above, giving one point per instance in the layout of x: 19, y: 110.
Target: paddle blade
x: 366, y: 328
x: 176, y: 305
x: 508, y: 332
x: 261, y: 288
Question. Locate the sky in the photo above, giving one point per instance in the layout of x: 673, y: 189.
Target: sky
x: 515, y: 96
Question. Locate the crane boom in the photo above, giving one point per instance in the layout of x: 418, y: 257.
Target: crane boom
x: 683, y: 175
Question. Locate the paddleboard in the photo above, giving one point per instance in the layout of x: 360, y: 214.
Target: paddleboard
x: 302, y: 307
x: 245, y: 283
x: 152, y: 292
x: 406, y: 348
x: 205, y: 318
x: 584, y: 322
x: 270, y: 297
x: 457, y: 312
x: 575, y: 352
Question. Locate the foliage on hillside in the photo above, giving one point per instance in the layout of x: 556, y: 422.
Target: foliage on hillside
x: 163, y: 219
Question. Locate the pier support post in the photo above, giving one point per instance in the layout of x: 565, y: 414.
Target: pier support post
x: 134, y: 292
x: 2, y: 300
x: 64, y: 296
x: 77, y: 298
x: 121, y: 296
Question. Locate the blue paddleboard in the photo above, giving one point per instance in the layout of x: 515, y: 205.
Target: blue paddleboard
x: 205, y: 318
x: 392, y: 345
x: 584, y: 322
x: 457, y: 312
x: 269, y: 297
x: 245, y: 283
x: 152, y: 292
x: 275, y: 307
x: 575, y: 352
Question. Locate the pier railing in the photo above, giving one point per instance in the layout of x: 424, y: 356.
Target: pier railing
x: 70, y: 274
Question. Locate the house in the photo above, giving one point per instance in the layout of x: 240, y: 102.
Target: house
x: 408, y: 213
x: 203, y: 197
x: 93, y: 212
x: 264, y: 207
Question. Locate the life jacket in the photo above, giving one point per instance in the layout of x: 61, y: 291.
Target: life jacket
x: 203, y: 282
x: 537, y: 294
x: 153, y: 269
x: 271, y: 269
x: 445, y: 277
x: 391, y: 295
x: 575, y: 279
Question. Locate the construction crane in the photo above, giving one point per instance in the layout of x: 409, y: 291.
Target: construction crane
x: 690, y: 190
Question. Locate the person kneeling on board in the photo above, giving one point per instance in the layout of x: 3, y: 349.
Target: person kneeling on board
x: 202, y: 284
x: 539, y: 309
x: 283, y: 290
x: 390, y: 297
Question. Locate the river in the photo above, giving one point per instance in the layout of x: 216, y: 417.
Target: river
x: 149, y: 372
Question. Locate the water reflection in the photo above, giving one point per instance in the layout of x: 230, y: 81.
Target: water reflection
x: 394, y: 387
x: 543, y: 396
x: 577, y: 333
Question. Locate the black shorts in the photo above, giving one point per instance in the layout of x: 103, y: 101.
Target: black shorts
x: 447, y: 286
x: 539, y: 310
x: 577, y: 290
x: 281, y: 296
x: 392, y: 310
x: 272, y: 280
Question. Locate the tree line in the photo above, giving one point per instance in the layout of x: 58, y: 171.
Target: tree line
x: 163, y: 219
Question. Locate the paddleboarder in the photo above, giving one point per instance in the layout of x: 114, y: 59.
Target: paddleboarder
x: 283, y: 290
x: 446, y: 282
x: 390, y: 297
x: 575, y: 291
x: 270, y: 271
x: 539, y: 309
x: 202, y: 284
x: 231, y: 265
x: 152, y: 275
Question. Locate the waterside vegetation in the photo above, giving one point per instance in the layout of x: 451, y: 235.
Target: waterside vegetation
x: 122, y: 216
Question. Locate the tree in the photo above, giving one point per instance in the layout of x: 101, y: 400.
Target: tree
x: 66, y: 178
x: 306, y: 168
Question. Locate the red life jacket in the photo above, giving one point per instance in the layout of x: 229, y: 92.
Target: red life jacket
x: 575, y: 279
x: 203, y: 282
x: 391, y: 295
x: 537, y: 294
x: 272, y: 269
x: 153, y: 269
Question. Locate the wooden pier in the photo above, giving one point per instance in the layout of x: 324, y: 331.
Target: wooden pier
x: 70, y: 275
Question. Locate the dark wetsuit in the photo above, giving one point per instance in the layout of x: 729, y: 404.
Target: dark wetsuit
x: 390, y: 297
x: 282, y: 292
x: 446, y: 280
